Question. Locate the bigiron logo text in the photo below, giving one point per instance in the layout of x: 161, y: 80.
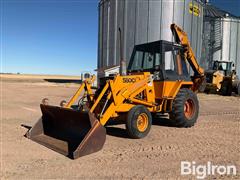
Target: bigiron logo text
x: 201, y: 171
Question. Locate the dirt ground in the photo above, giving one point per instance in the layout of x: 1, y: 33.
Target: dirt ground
x: 215, y: 138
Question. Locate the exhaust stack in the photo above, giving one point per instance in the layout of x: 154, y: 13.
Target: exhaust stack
x: 123, y: 68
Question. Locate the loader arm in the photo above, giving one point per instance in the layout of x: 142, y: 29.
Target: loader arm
x: 182, y: 38
x: 86, y: 85
x: 117, y: 92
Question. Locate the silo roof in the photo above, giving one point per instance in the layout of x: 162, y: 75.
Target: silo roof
x: 214, y: 12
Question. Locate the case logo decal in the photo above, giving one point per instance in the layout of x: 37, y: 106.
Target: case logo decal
x: 194, y: 9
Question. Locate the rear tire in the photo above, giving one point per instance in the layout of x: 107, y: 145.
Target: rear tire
x: 185, y: 109
x: 226, y: 88
x: 139, y: 121
x: 203, y: 86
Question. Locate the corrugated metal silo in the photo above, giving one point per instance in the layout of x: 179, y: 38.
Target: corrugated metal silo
x: 221, y: 40
x: 143, y: 21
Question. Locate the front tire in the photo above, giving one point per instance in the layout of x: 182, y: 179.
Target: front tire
x: 185, y: 109
x: 226, y: 88
x: 139, y: 121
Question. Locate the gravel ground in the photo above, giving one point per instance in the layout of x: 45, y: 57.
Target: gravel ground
x: 215, y: 138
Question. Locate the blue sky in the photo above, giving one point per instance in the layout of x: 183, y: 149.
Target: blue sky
x: 50, y: 36
x: 56, y: 36
x: 232, y: 6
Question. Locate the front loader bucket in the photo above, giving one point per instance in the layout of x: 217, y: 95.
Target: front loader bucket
x: 67, y: 131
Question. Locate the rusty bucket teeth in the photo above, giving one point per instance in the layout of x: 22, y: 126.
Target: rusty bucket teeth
x: 67, y: 131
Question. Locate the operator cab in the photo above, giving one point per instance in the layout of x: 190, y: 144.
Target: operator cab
x: 223, y: 66
x: 164, y: 59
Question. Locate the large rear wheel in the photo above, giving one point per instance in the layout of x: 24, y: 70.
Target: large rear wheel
x: 139, y: 121
x: 185, y: 109
x: 226, y: 87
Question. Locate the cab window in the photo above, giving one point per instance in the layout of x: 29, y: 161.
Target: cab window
x: 137, y: 61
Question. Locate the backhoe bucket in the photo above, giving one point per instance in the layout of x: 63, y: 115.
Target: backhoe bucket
x: 67, y: 131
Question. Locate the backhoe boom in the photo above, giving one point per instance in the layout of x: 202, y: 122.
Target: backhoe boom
x: 182, y: 38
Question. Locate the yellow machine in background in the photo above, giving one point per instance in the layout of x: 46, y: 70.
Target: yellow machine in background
x: 157, y: 81
x: 222, y: 79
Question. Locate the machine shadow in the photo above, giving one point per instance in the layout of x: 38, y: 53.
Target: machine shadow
x: 162, y: 120
x: 117, y: 132
x: 112, y: 130
x: 75, y: 81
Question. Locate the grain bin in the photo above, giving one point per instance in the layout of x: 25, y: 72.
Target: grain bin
x: 143, y: 21
x: 221, y: 37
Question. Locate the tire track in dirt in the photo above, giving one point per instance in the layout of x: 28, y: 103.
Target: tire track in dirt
x: 220, y: 113
x: 166, y: 148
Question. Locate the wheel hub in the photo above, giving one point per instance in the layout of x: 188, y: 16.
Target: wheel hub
x: 142, y: 122
x: 189, y: 108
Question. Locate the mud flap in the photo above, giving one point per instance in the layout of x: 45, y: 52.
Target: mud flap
x: 67, y: 131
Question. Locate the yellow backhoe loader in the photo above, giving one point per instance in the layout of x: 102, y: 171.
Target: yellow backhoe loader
x: 157, y: 81
x: 222, y: 79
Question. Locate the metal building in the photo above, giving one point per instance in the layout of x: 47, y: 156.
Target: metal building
x: 143, y: 21
x: 221, y: 37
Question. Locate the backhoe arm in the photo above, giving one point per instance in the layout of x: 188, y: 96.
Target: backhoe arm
x: 182, y: 38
